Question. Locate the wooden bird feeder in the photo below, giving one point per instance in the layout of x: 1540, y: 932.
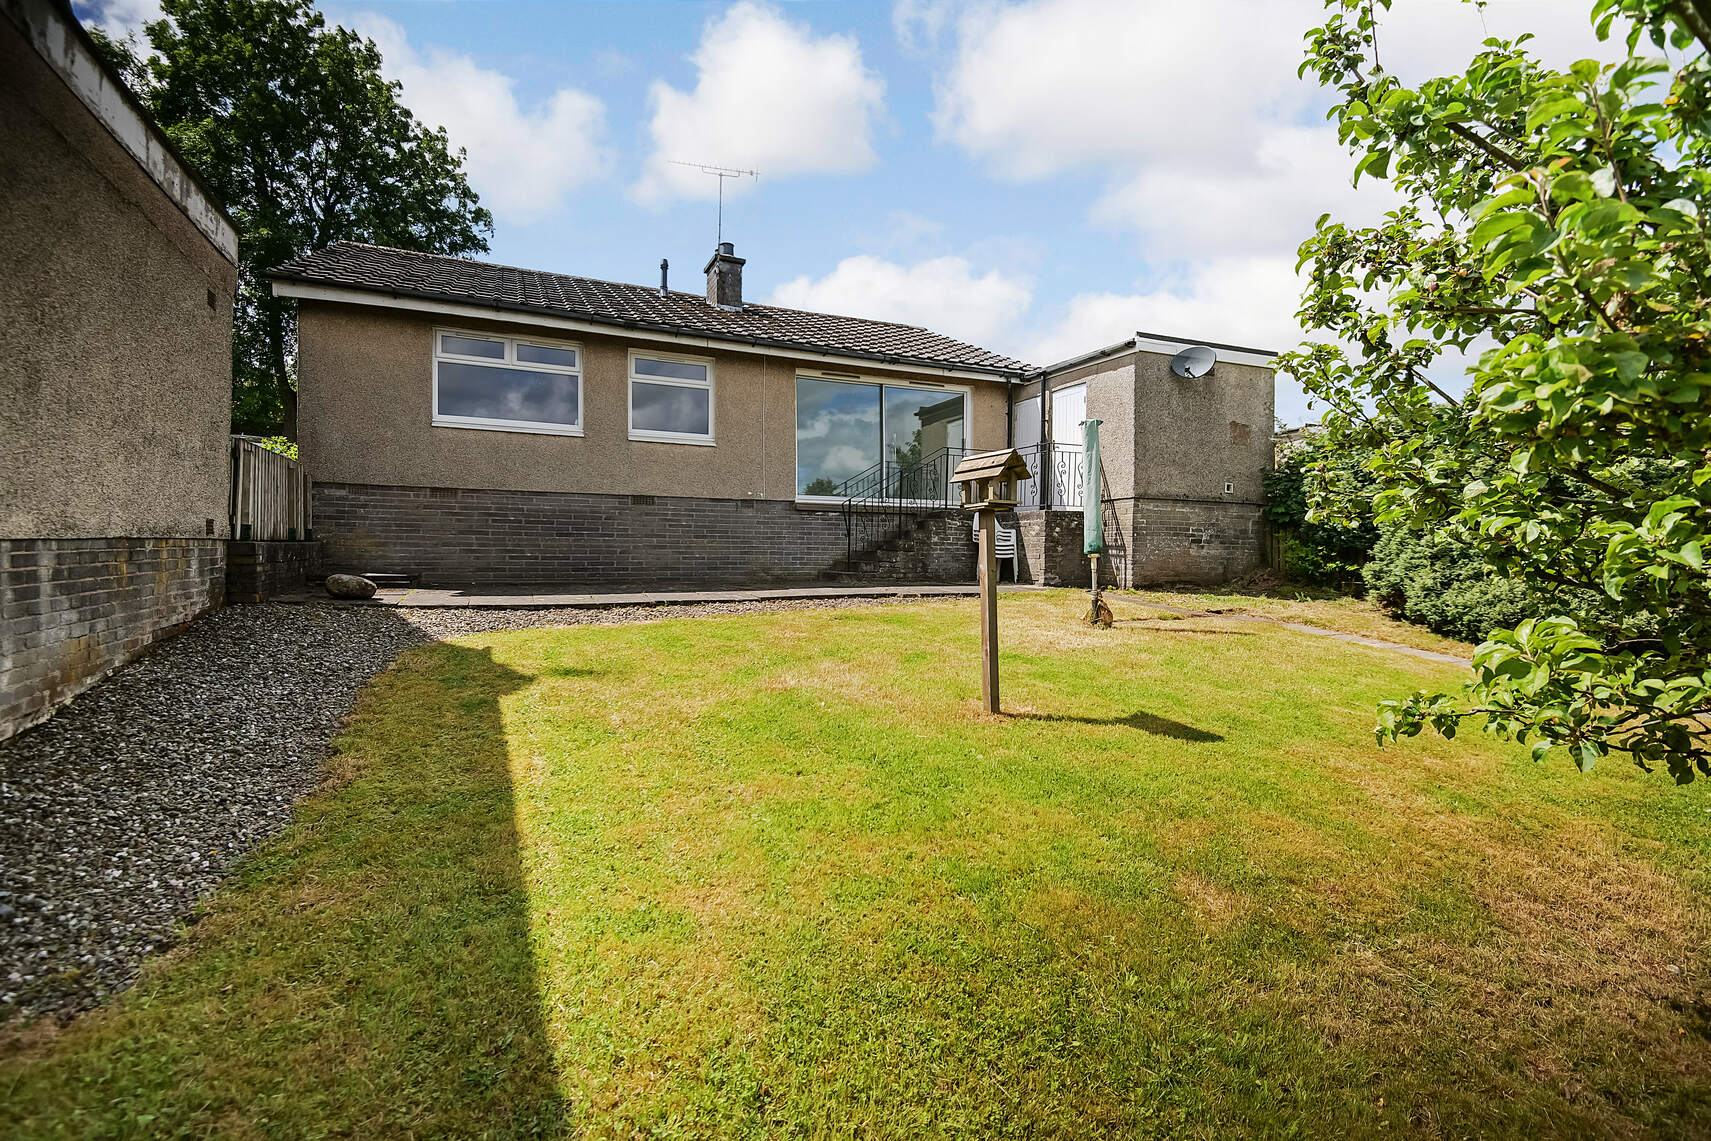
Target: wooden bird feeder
x: 988, y: 485
x: 988, y: 480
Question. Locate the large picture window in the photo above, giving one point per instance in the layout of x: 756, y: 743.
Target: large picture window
x: 846, y: 429
x: 671, y: 398
x: 506, y: 384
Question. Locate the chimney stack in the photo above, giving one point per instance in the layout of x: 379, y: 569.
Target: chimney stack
x: 664, y: 268
x: 725, y: 278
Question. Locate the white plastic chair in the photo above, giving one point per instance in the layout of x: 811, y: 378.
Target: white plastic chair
x: 1003, y: 542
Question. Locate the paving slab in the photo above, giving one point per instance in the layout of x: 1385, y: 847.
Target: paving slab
x: 432, y: 598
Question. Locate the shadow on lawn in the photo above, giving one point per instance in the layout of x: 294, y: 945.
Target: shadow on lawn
x: 1140, y: 719
x: 369, y: 972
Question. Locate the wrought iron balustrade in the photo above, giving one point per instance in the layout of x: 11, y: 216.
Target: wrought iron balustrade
x: 1060, y: 474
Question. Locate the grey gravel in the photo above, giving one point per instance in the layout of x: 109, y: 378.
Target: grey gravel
x: 121, y: 813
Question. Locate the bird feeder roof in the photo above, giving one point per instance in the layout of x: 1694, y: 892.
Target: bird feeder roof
x: 991, y: 465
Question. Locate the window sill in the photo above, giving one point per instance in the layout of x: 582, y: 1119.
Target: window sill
x: 523, y: 429
x: 662, y: 438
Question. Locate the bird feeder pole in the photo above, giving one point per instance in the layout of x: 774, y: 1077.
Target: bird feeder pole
x: 988, y: 520
x: 988, y: 484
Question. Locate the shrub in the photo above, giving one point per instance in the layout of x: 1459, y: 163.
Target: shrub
x: 1319, y: 553
x: 1444, y: 585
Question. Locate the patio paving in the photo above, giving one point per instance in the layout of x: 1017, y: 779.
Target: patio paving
x: 498, y: 598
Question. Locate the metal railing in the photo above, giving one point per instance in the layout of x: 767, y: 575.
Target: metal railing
x: 270, y: 494
x: 891, y: 496
x: 1060, y: 475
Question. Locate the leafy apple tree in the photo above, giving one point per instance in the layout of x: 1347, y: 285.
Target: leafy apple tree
x: 1552, y: 226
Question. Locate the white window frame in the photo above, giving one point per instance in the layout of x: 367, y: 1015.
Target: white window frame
x: 966, y: 391
x: 693, y: 438
x: 509, y: 361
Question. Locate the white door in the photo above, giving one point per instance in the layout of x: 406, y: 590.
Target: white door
x: 1027, y: 429
x: 1069, y: 409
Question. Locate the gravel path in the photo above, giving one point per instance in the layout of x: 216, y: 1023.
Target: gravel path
x: 123, y: 811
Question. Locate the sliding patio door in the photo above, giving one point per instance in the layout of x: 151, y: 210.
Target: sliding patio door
x: 888, y: 439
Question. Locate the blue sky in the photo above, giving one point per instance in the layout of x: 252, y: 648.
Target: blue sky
x: 1040, y: 177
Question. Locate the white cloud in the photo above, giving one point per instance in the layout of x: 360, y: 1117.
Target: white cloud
x: 943, y: 294
x: 1249, y: 301
x: 122, y: 17
x: 1044, y: 86
x: 769, y: 95
x: 920, y: 25
x: 1246, y: 301
x: 1198, y: 134
x: 1266, y: 201
x: 906, y: 232
x: 1243, y: 301
x: 1193, y: 113
x: 1038, y: 88
x: 524, y: 162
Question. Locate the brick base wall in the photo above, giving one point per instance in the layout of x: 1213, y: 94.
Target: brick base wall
x: 937, y: 547
x: 74, y: 610
x: 1147, y: 543
x: 259, y: 571
x: 459, y: 537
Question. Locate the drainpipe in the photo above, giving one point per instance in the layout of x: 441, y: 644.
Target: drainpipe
x: 1010, y: 412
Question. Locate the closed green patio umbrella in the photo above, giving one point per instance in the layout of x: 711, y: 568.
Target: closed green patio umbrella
x: 1092, y: 517
x: 1093, y: 521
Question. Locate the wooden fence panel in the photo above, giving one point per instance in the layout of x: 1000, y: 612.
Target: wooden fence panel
x: 270, y: 494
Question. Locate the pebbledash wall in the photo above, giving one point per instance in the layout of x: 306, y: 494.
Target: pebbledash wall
x: 394, y: 493
x: 117, y: 273
x: 1183, y: 462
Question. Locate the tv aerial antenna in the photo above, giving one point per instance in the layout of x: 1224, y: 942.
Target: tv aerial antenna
x: 721, y: 173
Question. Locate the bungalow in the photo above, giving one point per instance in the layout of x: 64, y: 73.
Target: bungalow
x: 469, y: 423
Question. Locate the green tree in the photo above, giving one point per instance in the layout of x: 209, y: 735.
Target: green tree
x: 291, y: 123
x: 1558, y: 217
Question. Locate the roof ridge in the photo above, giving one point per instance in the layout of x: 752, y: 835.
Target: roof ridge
x: 502, y: 265
x: 647, y: 288
x: 396, y: 269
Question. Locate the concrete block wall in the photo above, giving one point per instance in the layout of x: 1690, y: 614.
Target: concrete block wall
x: 259, y: 571
x: 1146, y: 544
x: 459, y: 536
x: 1198, y: 543
x: 1049, y: 549
x: 74, y: 610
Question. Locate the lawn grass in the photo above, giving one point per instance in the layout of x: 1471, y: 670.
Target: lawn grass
x: 778, y: 876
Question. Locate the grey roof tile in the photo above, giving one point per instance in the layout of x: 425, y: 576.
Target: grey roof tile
x: 353, y: 265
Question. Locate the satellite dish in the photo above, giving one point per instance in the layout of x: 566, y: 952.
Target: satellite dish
x: 1193, y: 362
